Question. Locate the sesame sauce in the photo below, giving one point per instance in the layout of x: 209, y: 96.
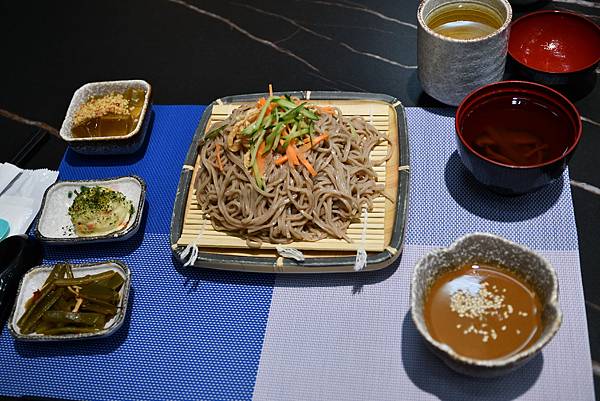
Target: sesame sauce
x: 483, y: 312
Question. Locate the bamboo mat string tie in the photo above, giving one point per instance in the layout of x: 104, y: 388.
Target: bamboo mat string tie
x: 404, y: 168
x: 279, y: 264
x: 391, y: 250
x: 290, y: 253
x: 361, y: 254
x: 192, y: 248
x: 188, y: 167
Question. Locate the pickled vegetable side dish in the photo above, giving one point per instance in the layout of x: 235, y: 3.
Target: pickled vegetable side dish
x: 115, y: 114
x: 68, y: 305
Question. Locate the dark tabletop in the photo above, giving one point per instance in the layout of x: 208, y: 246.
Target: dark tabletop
x: 194, y: 52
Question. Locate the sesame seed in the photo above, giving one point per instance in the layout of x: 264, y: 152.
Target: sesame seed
x: 503, y: 328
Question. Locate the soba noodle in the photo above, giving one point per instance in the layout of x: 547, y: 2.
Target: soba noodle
x: 293, y: 206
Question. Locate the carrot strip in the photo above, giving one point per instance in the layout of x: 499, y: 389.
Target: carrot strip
x: 260, y: 159
x: 292, y: 155
x: 219, y: 161
x: 307, y: 145
x: 307, y: 164
x: 326, y: 109
x: 303, y: 148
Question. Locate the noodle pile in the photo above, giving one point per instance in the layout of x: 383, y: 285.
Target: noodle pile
x: 292, y: 205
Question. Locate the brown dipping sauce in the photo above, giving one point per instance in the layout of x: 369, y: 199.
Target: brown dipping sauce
x: 115, y: 114
x: 518, y: 130
x: 483, y: 312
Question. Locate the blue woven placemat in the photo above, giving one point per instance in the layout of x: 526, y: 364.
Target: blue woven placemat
x: 203, y: 334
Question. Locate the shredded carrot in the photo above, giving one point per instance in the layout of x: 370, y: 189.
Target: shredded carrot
x: 261, y: 102
x: 307, y: 146
x: 292, y: 154
x: 327, y: 109
x: 270, y: 90
x: 260, y: 159
x: 307, y: 164
x: 219, y: 161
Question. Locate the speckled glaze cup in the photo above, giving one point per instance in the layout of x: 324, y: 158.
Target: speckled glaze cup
x: 497, y: 251
x: 450, y: 68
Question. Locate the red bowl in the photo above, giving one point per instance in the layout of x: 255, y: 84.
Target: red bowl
x: 516, y: 136
x: 555, y: 42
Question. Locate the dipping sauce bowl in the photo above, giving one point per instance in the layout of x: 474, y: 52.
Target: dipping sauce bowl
x: 554, y: 47
x: 516, y: 137
x: 486, y: 249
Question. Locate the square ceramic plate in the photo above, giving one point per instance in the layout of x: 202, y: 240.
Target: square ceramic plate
x: 107, y: 145
x: 54, y: 224
x: 386, y: 113
x: 35, y: 278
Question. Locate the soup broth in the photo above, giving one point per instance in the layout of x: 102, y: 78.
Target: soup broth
x: 464, y: 20
x: 517, y: 130
x: 483, y: 312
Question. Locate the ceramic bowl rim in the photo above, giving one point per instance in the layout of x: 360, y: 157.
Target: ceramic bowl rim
x: 499, y: 31
x: 523, y: 20
x: 553, y: 326
x: 93, y: 85
x: 505, y: 87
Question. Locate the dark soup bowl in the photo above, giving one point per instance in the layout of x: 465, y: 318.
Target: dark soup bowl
x: 557, y: 48
x: 516, y: 137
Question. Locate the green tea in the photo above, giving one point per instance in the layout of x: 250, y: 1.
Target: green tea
x: 464, y: 20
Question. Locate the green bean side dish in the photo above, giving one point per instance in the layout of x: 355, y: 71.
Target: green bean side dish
x: 68, y: 305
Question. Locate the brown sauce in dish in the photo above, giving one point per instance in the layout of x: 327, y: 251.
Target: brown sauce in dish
x: 115, y: 114
x: 483, y: 312
x: 518, y: 130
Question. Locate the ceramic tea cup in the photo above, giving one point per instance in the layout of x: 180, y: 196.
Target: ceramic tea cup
x: 450, y: 67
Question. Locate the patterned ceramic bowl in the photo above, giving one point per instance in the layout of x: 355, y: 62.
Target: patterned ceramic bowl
x: 109, y: 145
x: 494, y: 250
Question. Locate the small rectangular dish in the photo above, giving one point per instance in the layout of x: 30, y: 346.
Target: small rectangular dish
x: 107, y: 145
x: 54, y: 225
x: 34, y: 279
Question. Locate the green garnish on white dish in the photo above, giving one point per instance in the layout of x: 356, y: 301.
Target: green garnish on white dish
x: 99, y: 211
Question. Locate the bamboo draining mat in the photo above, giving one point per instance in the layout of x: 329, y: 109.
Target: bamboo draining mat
x: 380, y: 219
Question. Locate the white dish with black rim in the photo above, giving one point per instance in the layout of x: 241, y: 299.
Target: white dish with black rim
x: 34, y: 279
x: 55, y: 226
